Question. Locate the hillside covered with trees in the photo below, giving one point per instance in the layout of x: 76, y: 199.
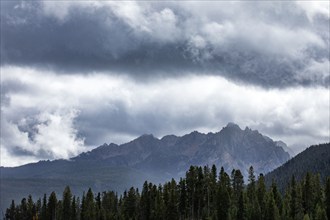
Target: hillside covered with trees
x: 315, y: 159
x: 204, y: 193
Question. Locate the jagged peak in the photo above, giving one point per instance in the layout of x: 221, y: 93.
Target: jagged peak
x: 232, y: 125
x: 145, y: 137
x: 169, y: 136
x: 247, y: 129
x: 195, y: 132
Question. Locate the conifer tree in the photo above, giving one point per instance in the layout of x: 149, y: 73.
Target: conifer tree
x: 159, y: 206
x: 11, y: 212
x: 271, y: 212
x: 66, y: 202
x: 237, y: 184
x: 74, y: 214
x: 251, y: 187
x: 296, y: 201
x: 130, y: 204
x: 277, y: 197
x: 308, y: 194
x: 327, y: 197
x: 191, y: 179
x: 88, y: 207
x: 223, y: 198
x: 261, y: 194
x: 30, y: 207
x: 183, y: 198
x: 52, y: 206
x: 241, y: 208
x: 145, y: 202
x: 44, y: 208
x: 320, y: 213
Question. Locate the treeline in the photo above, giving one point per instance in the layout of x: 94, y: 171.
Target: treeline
x: 202, y: 194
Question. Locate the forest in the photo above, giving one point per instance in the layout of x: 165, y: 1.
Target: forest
x: 204, y: 193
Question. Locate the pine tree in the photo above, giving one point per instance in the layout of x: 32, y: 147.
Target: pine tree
x: 44, y: 208
x: 251, y: 188
x: 237, y: 184
x: 296, y: 201
x: 212, y: 193
x: 66, y: 202
x: 90, y: 208
x: 30, y: 207
x: 241, y: 208
x: 308, y: 195
x: 83, y: 207
x: 159, y: 206
x: 277, y: 197
x: 74, y: 213
x: 183, y: 198
x: 327, y: 197
x: 223, y: 201
x: 261, y: 194
x: 172, y: 203
x: 320, y: 213
x: 52, y: 206
x: 145, y: 202
x: 253, y: 209
x: 11, y: 212
x: 191, y: 179
x: 130, y: 204
x: 271, y: 212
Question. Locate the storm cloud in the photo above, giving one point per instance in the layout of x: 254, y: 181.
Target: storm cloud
x: 272, y: 44
x: 76, y: 74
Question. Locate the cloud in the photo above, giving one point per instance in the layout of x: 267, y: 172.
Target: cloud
x: 41, y: 136
x: 315, y: 8
x: 267, y: 44
x: 57, y: 116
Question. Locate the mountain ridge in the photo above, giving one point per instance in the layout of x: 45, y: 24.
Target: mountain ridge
x: 231, y: 143
x: 117, y: 167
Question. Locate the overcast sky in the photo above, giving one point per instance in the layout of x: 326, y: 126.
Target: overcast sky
x: 75, y: 75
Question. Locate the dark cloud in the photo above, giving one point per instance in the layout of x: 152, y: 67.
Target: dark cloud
x: 256, y: 46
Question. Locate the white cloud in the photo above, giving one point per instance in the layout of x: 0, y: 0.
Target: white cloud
x: 314, y: 8
x: 41, y: 136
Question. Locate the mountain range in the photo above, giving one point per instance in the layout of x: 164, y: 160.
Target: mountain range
x: 231, y: 148
x: 117, y: 167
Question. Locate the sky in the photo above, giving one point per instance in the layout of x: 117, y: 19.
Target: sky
x: 77, y: 74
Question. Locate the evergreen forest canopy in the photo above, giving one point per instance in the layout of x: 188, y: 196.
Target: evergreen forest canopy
x: 202, y: 194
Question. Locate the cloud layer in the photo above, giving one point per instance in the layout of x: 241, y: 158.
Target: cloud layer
x: 76, y: 74
x: 272, y: 44
x: 58, y: 116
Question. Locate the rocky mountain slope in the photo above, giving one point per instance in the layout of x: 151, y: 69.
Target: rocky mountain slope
x: 231, y: 148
